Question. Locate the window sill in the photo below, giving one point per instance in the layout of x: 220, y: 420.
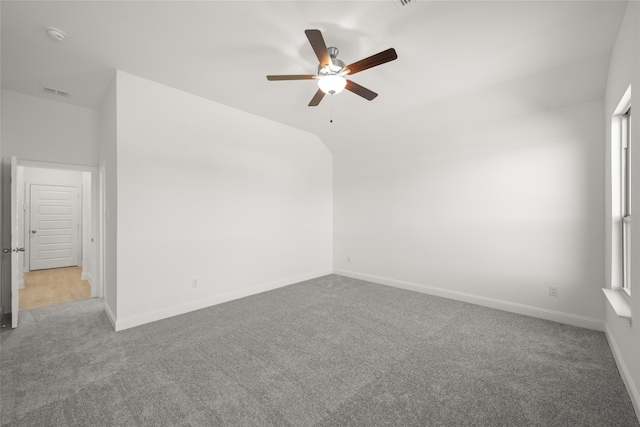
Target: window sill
x: 619, y: 301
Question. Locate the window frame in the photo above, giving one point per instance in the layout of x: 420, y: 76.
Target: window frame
x: 625, y: 208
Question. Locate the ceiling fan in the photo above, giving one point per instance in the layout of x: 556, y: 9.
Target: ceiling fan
x: 332, y: 71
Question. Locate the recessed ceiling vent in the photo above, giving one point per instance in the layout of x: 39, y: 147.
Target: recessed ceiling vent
x: 403, y: 3
x: 56, y: 92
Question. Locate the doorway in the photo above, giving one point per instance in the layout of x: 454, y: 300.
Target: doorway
x: 57, y: 225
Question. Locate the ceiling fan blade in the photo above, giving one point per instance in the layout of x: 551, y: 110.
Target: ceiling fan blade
x: 360, y: 90
x: 292, y: 77
x: 319, y: 47
x: 316, y: 98
x: 372, y: 61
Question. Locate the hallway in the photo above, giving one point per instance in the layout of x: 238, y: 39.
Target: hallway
x: 53, y: 286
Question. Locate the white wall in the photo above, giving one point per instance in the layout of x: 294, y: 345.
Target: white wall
x: 495, y: 196
x: 624, y: 72
x: 108, y: 200
x: 42, y: 130
x: 239, y: 203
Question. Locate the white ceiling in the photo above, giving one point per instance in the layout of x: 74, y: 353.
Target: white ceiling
x: 452, y: 55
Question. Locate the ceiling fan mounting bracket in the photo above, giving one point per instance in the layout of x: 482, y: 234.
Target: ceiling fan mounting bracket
x: 336, y: 65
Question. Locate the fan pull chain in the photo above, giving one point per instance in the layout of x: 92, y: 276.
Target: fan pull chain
x: 331, y: 109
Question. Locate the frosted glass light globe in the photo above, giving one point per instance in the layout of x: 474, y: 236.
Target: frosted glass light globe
x: 332, y: 84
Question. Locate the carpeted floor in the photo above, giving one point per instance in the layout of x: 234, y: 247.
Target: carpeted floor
x: 327, y: 352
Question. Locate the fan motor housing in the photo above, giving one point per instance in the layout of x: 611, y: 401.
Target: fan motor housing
x: 338, y: 65
x: 335, y: 69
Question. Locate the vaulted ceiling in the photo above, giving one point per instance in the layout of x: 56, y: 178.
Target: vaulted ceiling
x: 455, y: 59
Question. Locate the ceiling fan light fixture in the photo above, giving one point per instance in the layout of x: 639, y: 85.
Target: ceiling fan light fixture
x: 332, y: 83
x: 331, y: 70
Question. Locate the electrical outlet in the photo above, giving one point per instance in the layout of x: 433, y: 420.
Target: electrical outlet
x: 554, y: 291
x: 194, y: 283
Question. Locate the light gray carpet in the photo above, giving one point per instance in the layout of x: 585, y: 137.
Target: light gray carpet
x: 327, y: 352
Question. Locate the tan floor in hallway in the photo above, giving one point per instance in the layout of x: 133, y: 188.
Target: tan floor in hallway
x: 55, y: 286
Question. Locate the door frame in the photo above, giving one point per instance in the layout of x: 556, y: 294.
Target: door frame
x: 97, y: 243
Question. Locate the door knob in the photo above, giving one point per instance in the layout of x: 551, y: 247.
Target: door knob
x: 33, y: 231
x: 20, y: 250
x: 6, y: 251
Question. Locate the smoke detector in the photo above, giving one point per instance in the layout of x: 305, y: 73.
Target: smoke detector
x: 56, y: 34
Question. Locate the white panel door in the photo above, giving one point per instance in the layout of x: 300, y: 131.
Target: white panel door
x: 15, y: 250
x: 54, y: 226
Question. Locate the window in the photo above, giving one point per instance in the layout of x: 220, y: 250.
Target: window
x: 625, y: 208
x: 618, y: 290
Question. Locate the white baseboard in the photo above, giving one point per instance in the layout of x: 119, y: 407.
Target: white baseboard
x: 512, y: 307
x: 166, y: 312
x: 110, y: 315
x: 21, y: 284
x: 632, y: 389
x: 85, y: 276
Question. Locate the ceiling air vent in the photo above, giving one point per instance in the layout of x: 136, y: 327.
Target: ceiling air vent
x: 56, y: 92
x: 403, y: 3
